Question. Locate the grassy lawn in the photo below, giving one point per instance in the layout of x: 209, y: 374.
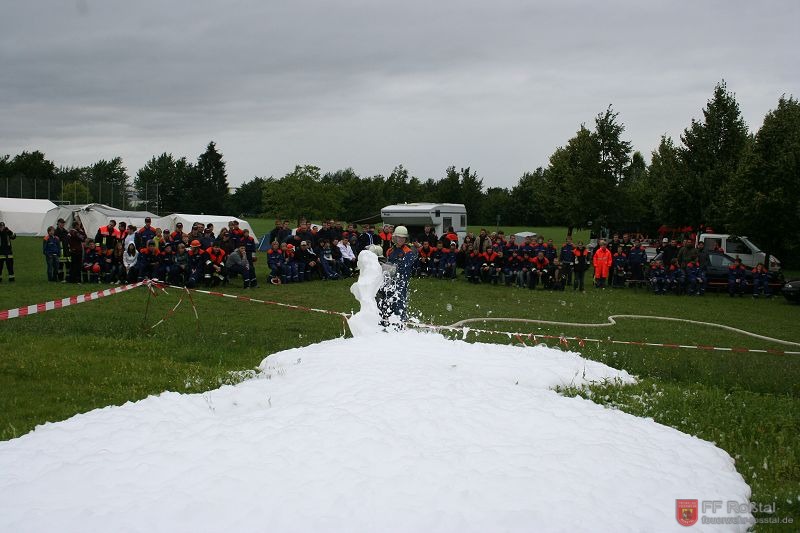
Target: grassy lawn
x: 56, y: 364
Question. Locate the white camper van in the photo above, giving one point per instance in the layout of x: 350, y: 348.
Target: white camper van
x: 416, y: 216
x: 741, y: 247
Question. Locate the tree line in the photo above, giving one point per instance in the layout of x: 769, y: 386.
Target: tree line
x: 717, y: 174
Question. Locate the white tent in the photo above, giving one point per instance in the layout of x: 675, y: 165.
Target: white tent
x: 24, y: 216
x: 219, y: 222
x: 93, y: 216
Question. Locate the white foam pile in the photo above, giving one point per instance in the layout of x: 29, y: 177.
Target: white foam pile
x: 381, y: 432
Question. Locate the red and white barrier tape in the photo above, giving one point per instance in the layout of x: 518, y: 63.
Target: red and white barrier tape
x: 257, y: 300
x: 65, y: 302
x: 581, y: 341
x: 464, y: 330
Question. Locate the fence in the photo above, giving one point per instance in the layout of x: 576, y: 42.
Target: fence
x: 61, y: 191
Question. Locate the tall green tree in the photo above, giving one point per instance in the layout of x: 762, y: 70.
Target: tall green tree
x: 582, y: 192
x: 210, y: 192
x: 712, y: 151
x: 496, y: 202
x: 32, y: 166
x: 109, y: 181
x: 634, y: 209
x: 765, y: 196
x: 528, y: 197
x: 472, y: 192
x: 671, y: 193
x: 448, y: 189
x: 164, y: 184
x: 615, y: 153
x: 302, y: 193
x: 249, y: 198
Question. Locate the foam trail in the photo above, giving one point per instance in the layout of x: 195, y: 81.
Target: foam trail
x: 367, y: 321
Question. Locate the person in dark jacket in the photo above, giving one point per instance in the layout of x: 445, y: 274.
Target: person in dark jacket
x: 581, y: 266
x: 51, y: 249
x: 276, y: 261
x: 367, y: 238
x: 63, y: 261
x: 540, y: 271
x: 307, y: 262
x: 6, y: 253
x: 737, y: 280
x: 636, y: 261
x: 75, y: 243
x: 92, y: 262
x: 761, y: 281
x: 149, y: 261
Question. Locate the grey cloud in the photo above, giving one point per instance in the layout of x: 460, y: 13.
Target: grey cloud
x: 372, y: 84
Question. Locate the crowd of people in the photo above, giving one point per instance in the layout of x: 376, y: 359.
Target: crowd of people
x: 120, y: 253
x: 127, y: 254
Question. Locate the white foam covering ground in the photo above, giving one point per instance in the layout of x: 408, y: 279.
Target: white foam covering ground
x: 391, y: 432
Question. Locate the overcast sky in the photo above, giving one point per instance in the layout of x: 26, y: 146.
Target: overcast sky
x: 494, y: 85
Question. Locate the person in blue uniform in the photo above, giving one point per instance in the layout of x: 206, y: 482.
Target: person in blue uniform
x: 402, y: 257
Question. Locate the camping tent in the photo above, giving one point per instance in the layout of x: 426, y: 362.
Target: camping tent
x: 93, y: 216
x: 24, y: 216
x: 219, y: 222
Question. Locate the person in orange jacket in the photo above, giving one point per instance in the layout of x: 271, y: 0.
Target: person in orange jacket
x: 601, y: 260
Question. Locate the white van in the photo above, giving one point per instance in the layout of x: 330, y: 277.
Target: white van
x: 741, y: 247
x: 416, y: 216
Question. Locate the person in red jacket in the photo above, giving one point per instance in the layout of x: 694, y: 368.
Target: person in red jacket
x: 601, y: 260
x: 215, y: 266
x: 540, y: 271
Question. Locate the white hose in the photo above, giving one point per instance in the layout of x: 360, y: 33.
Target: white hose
x: 612, y: 322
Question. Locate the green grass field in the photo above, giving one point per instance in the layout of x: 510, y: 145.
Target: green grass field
x: 56, y: 364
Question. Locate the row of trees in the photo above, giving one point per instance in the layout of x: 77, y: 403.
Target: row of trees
x: 718, y: 174
x: 163, y: 185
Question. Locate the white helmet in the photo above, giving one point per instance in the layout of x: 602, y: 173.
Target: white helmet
x: 375, y: 249
x: 401, y: 231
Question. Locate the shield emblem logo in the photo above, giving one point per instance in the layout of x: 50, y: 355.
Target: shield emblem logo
x: 686, y: 512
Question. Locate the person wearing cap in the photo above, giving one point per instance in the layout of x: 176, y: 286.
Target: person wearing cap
x: 177, y: 236
x: 403, y: 258
x: 291, y: 267
x: 6, y: 253
x: 145, y: 234
x: 307, y: 261
x: 63, y: 261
